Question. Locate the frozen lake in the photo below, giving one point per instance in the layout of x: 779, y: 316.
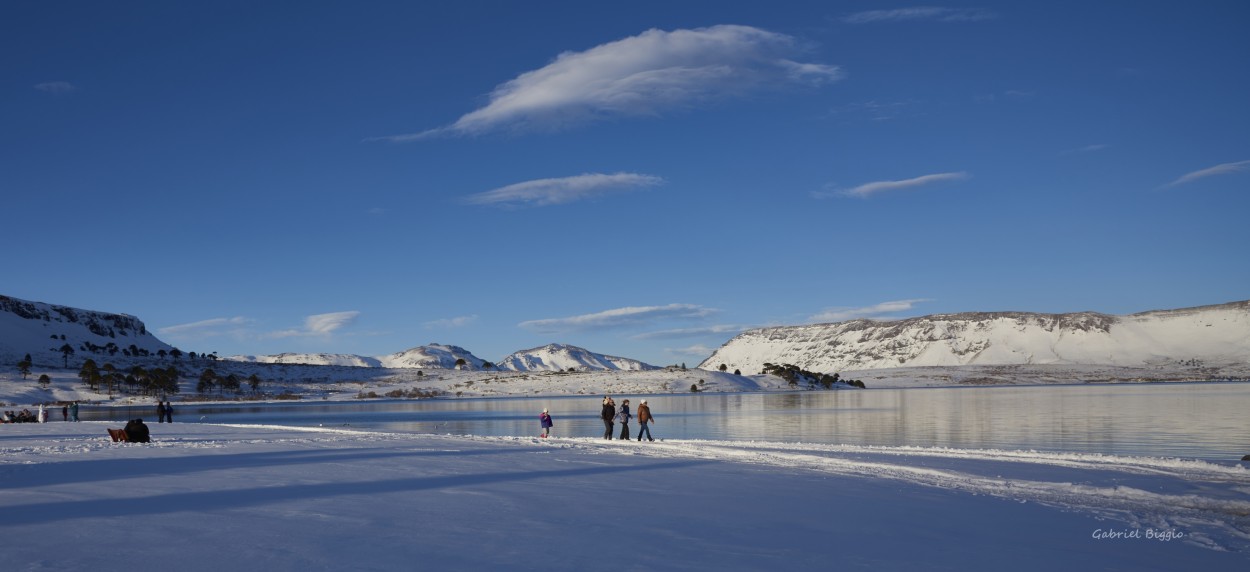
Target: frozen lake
x: 1201, y: 420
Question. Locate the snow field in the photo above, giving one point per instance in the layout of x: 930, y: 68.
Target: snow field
x: 274, y: 498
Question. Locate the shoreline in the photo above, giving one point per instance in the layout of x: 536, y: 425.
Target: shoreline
x: 344, y: 397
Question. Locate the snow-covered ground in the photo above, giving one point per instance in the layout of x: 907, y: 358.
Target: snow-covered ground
x: 212, y: 497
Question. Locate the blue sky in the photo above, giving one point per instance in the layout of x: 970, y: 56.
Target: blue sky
x: 642, y: 179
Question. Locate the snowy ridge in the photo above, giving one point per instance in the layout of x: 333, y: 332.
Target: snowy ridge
x: 29, y: 328
x: 1213, y: 335
x: 346, y: 360
x: 432, y: 356
x: 561, y: 357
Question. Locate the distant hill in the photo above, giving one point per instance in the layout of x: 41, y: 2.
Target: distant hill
x: 431, y: 356
x: 1216, y: 335
x: 348, y: 360
x: 560, y: 357
x: 41, y: 330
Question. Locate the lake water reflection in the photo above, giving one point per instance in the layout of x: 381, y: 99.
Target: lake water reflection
x: 1204, y: 420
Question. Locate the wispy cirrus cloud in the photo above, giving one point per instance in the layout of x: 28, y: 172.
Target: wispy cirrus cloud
x: 868, y: 189
x: 932, y: 13
x: 205, y: 328
x: 875, y: 311
x: 447, y: 323
x: 56, y: 87
x: 619, y: 318
x: 319, y: 325
x: 697, y: 350
x: 545, y: 192
x: 679, y: 333
x: 1221, y: 169
x: 644, y: 75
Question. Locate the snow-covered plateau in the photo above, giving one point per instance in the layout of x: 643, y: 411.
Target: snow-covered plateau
x: 1208, y: 341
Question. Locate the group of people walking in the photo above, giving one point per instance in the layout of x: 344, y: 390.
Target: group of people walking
x: 610, y: 416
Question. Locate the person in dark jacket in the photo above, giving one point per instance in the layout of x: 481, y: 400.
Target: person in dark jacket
x: 169, y: 412
x: 644, y: 417
x: 137, y: 432
x: 160, y: 411
x: 608, y: 412
x: 545, y: 421
x: 623, y: 417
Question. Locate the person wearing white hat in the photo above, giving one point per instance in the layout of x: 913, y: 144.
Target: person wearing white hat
x: 644, y: 417
x: 545, y: 420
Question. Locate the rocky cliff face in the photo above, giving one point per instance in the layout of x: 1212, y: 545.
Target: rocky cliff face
x: 41, y: 329
x: 1206, y: 334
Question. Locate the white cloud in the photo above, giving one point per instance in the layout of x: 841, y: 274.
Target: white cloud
x: 876, y: 311
x: 641, y: 75
x: 1221, y: 169
x: 934, y: 13
x: 319, y: 325
x: 457, y: 322
x: 619, y: 318
x: 543, y: 192
x: 692, y: 332
x: 204, y: 328
x: 56, y: 87
x: 697, y: 350
x: 869, y: 189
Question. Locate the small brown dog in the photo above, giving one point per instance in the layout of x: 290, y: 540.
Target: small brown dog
x: 118, y: 435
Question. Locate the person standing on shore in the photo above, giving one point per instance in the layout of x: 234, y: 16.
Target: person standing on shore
x: 160, y: 411
x: 169, y: 412
x: 64, y: 413
x: 43, y: 414
x: 644, y: 417
x: 623, y: 417
x: 607, y: 414
x: 73, y: 411
x: 547, y: 424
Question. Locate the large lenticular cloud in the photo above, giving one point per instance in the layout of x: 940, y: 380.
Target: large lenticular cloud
x: 647, y: 74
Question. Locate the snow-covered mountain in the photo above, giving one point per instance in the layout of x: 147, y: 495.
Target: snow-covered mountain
x: 350, y: 360
x: 431, y: 356
x: 41, y: 330
x: 1217, y: 334
x: 560, y: 357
